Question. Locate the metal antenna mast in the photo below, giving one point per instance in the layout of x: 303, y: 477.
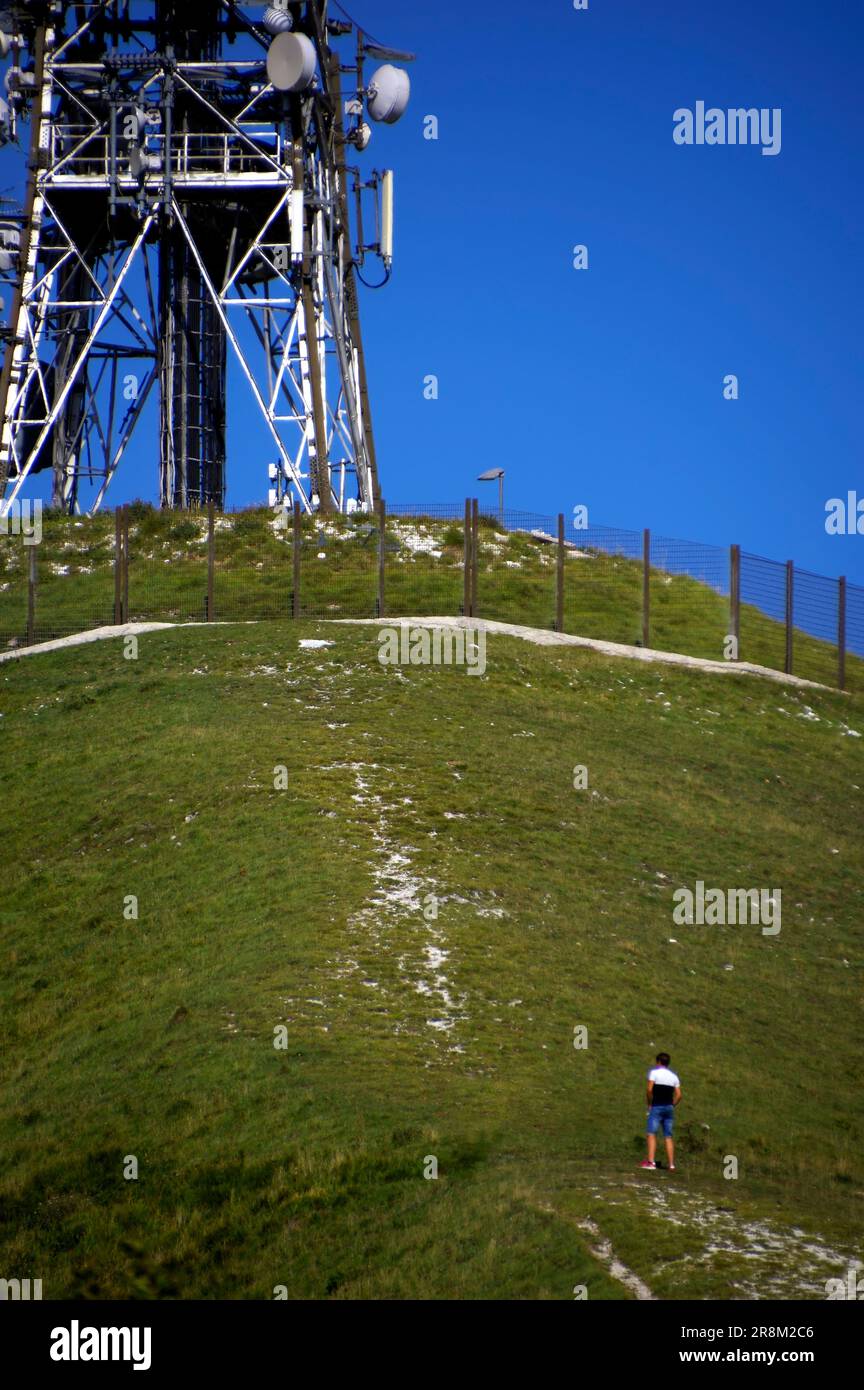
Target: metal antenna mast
x: 192, y: 201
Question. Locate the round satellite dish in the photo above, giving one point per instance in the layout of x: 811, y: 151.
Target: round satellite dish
x: 277, y: 21
x: 388, y: 94
x: 362, y: 136
x: 141, y: 163
x: 291, y: 62
x: 5, y: 45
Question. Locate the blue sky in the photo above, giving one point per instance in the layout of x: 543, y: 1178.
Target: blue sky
x: 605, y: 386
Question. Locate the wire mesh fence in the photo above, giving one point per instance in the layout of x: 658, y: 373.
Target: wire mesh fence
x: 815, y: 614
x: 427, y: 560
x: 515, y: 569
x: 603, y: 584
x: 337, y: 574
x: 431, y: 511
x: 689, y: 597
x: 763, y: 610
x: 167, y: 568
x: 423, y: 563
x: 855, y: 636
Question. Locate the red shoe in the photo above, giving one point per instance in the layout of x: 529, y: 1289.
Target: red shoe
x: 646, y: 1163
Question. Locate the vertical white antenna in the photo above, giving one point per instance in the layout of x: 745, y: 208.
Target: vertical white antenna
x: 387, y: 217
x: 296, y: 215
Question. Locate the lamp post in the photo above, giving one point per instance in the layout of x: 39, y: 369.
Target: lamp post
x: 489, y: 477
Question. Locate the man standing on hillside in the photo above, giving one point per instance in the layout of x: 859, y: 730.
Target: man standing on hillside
x: 664, y: 1093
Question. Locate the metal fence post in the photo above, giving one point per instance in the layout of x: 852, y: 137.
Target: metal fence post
x: 466, y: 597
x: 790, y: 613
x: 382, y: 543
x: 118, y: 565
x: 124, y: 598
x: 646, y: 588
x: 295, y: 604
x: 841, y: 633
x: 31, y: 596
x: 735, y: 597
x: 559, y: 604
x: 211, y: 561
x: 475, y: 551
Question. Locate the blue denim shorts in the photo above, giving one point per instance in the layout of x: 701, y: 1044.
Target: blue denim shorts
x: 661, y: 1115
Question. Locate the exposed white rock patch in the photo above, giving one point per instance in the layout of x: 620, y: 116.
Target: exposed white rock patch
x: 400, y: 899
x: 781, y: 1262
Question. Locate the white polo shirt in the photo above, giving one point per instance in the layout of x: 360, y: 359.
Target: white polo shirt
x: 665, y: 1083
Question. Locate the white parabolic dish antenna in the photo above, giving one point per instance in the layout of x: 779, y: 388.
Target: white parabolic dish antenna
x: 291, y: 62
x: 388, y: 94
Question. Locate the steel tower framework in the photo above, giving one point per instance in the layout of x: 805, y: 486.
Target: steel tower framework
x: 184, y: 211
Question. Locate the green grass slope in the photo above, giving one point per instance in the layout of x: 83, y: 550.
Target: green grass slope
x: 420, y: 914
x: 339, y: 578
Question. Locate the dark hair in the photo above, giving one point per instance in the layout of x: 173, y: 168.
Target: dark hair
x: 663, y: 1058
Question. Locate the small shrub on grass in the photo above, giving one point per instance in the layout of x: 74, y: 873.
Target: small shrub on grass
x: 139, y: 512
x: 249, y: 523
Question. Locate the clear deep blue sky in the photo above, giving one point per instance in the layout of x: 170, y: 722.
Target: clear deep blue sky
x: 605, y: 386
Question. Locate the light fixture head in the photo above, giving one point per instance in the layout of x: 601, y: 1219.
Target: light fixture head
x: 388, y: 94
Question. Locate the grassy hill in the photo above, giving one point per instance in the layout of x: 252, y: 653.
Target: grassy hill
x: 409, y: 1036
x: 339, y: 578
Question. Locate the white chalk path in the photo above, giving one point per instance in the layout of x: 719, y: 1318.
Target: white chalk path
x: 540, y: 637
x: 602, y: 1250
x: 79, y: 639
x: 543, y: 638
